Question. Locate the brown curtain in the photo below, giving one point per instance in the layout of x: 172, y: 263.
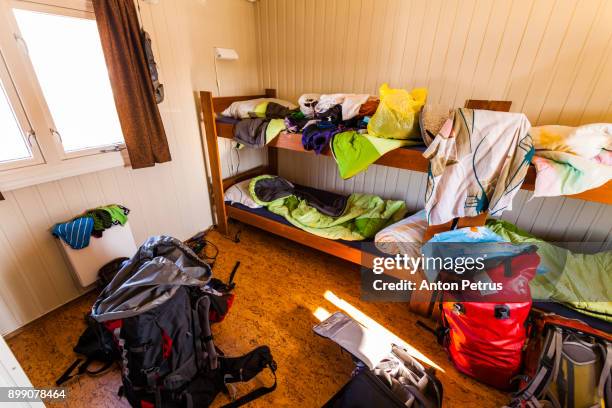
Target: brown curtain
x: 128, y: 70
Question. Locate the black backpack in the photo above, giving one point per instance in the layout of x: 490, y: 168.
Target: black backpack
x: 169, y: 358
x: 155, y: 315
x: 96, y: 345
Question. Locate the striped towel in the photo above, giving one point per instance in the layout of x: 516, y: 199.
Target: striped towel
x: 75, y: 233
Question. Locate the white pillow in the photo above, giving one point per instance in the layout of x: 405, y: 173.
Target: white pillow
x: 239, y: 193
x: 241, y: 109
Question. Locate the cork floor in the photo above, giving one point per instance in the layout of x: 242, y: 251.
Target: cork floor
x: 279, y: 286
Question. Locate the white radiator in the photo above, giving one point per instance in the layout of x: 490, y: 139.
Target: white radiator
x: 116, y: 242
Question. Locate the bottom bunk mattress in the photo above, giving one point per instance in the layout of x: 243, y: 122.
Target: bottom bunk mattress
x: 365, y: 245
x: 564, y: 311
x: 355, y: 217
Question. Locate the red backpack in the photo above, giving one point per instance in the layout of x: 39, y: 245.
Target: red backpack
x: 485, y: 334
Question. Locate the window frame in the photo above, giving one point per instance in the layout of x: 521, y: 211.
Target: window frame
x: 53, y: 162
x: 77, y: 9
x: 23, y: 122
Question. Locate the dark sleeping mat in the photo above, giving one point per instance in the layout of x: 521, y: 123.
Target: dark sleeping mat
x: 564, y: 311
x: 369, y: 244
x: 226, y: 119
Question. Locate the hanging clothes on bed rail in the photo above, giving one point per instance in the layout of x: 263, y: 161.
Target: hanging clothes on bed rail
x: 354, y: 152
x: 477, y: 163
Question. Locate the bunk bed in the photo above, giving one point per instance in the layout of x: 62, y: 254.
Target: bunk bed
x: 409, y: 158
x: 403, y: 158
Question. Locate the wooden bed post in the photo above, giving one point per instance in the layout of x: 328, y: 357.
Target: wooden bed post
x: 210, y: 131
x: 272, y: 151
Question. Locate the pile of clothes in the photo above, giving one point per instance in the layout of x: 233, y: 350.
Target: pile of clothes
x: 78, y: 231
x: 329, y: 114
x: 358, y: 128
x: 477, y: 163
x: 262, y: 124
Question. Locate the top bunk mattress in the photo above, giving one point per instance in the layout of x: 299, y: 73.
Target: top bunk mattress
x: 232, y: 121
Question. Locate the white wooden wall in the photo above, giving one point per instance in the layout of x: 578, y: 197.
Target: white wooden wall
x: 170, y: 198
x: 553, y: 59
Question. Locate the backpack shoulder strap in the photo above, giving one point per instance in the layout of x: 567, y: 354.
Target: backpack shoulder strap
x: 436, y: 384
x: 68, y: 373
x: 548, y: 368
x: 82, y: 368
x: 605, y: 379
x: 240, y: 369
x: 253, y: 395
x: 203, y: 311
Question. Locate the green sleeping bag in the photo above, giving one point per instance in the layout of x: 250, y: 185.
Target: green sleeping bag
x: 363, y: 216
x: 580, y: 281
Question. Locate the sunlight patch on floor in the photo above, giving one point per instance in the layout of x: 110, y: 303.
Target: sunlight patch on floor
x: 321, y: 314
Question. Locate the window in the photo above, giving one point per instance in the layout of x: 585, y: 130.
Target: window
x: 67, y: 57
x: 57, y: 113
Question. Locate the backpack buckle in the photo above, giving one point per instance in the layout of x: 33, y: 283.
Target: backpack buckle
x: 152, y: 374
x: 547, y: 362
x: 502, y: 312
x: 459, y: 308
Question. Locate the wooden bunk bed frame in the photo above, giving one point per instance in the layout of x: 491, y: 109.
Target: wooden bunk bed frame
x: 405, y: 158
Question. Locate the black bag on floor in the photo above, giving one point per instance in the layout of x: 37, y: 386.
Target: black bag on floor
x: 379, y: 388
x: 365, y: 390
x: 107, y: 272
x: 157, y: 312
x: 96, y: 345
x: 395, y: 379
